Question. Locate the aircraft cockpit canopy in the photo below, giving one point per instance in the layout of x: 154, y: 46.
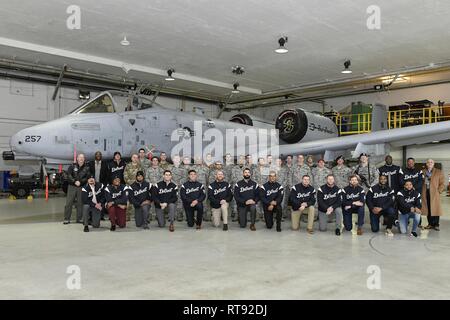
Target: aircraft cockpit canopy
x: 101, y: 104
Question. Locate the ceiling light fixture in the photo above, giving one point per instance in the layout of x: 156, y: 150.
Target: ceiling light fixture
x: 235, y: 88
x: 282, y: 49
x: 124, y: 41
x: 169, y: 73
x: 237, y: 70
x: 347, y: 65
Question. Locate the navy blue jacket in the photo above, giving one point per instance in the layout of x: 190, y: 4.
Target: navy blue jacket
x: 246, y: 190
x: 271, y: 191
x: 140, y: 192
x: 379, y: 197
x: 351, y: 194
x: 415, y: 176
x: 299, y: 194
x: 164, y: 193
x: 117, y: 195
x: 87, y: 195
x: 218, y: 191
x: 192, y: 190
x: 407, y: 200
x: 329, y: 197
x: 394, y: 174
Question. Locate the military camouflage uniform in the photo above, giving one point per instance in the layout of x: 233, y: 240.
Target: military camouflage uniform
x: 298, y: 172
x: 341, y: 175
x: 129, y: 175
x: 145, y: 164
x: 179, y: 176
x: 364, y: 172
x: 164, y: 165
x: 153, y: 176
x: 236, y: 175
x: 285, y: 179
x: 319, y: 176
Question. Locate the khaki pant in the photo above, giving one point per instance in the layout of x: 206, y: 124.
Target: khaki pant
x: 297, y: 214
x: 216, y: 213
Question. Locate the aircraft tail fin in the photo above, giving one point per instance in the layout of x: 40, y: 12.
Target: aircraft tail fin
x: 379, y: 117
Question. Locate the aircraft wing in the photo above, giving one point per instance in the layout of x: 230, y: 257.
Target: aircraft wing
x: 418, y: 134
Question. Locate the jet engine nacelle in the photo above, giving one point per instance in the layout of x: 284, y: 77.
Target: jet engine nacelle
x: 251, y: 120
x: 296, y: 125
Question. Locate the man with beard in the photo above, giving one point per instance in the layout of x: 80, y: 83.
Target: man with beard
x: 271, y: 195
x: 380, y: 200
x: 246, y: 194
x: 140, y: 197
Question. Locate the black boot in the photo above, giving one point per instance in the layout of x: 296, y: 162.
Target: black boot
x: 113, y: 227
x: 278, y: 228
x: 86, y: 229
x: 225, y: 227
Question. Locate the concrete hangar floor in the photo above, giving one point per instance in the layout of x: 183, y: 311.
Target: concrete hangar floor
x: 39, y: 256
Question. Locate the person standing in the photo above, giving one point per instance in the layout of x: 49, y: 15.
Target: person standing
x: 93, y: 198
x: 302, y: 198
x: 165, y: 198
x: 271, y: 195
x: 283, y: 179
x: 116, y: 167
x: 179, y: 176
x: 433, y: 186
x: 153, y: 175
x: 116, y: 196
x: 341, y: 172
x: 140, y: 198
x: 367, y: 173
x: 246, y: 194
x: 220, y: 196
x: 410, y: 205
x: 412, y: 174
x: 236, y: 175
x: 300, y: 170
x: 99, y: 169
x: 77, y: 176
x: 393, y: 173
x: 129, y: 175
x: 193, y: 194
x: 143, y: 160
x: 380, y: 200
x: 163, y: 163
x: 320, y: 174
x: 329, y: 200
x: 353, y: 200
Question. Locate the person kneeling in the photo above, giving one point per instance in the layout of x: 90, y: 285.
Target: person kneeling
x: 116, y: 195
x: 93, y: 201
x: 410, y: 206
x: 302, y: 199
x: 271, y: 195
x: 246, y: 195
x: 353, y: 199
x: 193, y: 194
x: 380, y: 201
x: 140, y: 198
x: 329, y: 201
x: 220, y: 196
x: 165, y: 197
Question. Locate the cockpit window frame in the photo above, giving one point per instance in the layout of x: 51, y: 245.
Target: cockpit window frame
x: 99, y: 96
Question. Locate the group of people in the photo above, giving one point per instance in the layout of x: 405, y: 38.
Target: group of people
x: 269, y: 190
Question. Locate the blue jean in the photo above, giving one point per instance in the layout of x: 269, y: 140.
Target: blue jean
x: 404, y: 218
x: 348, y: 217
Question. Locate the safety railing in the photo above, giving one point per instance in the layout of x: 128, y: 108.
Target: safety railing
x: 351, y: 123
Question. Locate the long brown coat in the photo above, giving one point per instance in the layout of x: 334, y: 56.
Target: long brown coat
x: 437, y: 186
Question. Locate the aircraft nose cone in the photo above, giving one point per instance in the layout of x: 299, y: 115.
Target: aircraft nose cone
x: 16, y: 142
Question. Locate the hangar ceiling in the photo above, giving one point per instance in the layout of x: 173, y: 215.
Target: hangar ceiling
x: 203, y: 39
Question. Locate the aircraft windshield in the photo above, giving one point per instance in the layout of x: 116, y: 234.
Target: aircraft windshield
x: 102, y: 104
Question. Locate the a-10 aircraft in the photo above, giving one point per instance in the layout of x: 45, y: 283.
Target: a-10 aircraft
x: 97, y: 125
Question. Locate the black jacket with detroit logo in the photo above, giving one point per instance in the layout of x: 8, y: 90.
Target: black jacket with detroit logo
x: 117, y: 195
x: 218, y: 191
x: 246, y: 190
x: 329, y: 197
x: 380, y: 197
x: 352, y: 194
x: 192, y: 190
x: 415, y: 176
x: 140, y: 192
x: 271, y: 191
x: 164, y: 193
x: 87, y: 195
x: 299, y: 194
x: 408, y: 199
